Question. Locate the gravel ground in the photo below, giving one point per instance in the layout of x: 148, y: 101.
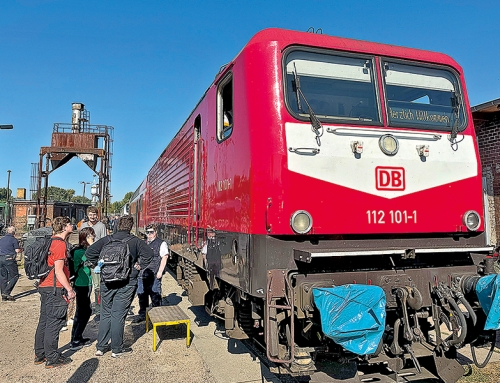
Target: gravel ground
x: 172, y: 362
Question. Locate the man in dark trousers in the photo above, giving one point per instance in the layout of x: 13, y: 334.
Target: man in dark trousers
x: 9, y: 274
x: 150, y: 283
x: 55, y: 291
x: 116, y: 297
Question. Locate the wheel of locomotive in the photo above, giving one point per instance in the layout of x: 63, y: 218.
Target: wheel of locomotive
x: 245, y: 318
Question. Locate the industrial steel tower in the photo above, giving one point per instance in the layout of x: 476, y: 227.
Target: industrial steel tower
x: 91, y: 143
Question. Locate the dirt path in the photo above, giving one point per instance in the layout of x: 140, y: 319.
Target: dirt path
x: 172, y: 362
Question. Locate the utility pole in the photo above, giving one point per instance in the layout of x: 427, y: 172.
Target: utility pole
x: 84, y: 184
x: 7, y: 217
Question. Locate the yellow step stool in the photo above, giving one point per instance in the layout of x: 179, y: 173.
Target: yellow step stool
x: 167, y: 316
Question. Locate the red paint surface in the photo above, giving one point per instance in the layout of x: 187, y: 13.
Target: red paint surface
x: 241, y: 175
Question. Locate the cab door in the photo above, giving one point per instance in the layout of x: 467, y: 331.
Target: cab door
x: 196, y: 196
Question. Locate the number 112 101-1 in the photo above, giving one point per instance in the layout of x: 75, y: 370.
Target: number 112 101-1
x: 381, y: 217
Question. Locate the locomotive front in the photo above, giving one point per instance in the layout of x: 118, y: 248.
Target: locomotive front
x: 375, y: 238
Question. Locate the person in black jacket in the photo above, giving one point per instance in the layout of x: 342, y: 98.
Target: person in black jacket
x: 116, y: 297
x: 150, y: 283
x: 9, y: 273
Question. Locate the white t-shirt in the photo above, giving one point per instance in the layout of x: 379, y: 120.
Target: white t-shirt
x: 163, y: 249
x: 99, y: 229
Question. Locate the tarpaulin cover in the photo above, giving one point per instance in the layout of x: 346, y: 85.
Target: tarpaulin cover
x: 353, y: 316
x: 488, y: 292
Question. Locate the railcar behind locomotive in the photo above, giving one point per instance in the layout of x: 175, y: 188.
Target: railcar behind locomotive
x: 324, y: 198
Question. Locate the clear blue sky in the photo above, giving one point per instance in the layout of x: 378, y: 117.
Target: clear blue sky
x: 141, y: 66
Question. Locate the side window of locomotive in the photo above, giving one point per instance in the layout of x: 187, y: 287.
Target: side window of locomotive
x: 422, y: 97
x: 225, y: 108
x: 334, y: 87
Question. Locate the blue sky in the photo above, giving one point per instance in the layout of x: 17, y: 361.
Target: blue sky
x: 141, y: 66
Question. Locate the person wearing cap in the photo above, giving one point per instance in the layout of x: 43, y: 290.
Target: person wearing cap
x: 149, y: 285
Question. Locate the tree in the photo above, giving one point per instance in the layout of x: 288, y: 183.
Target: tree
x: 127, y: 197
x: 3, y: 194
x: 59, y: 194
x: 116, y: 207
x: 81, y: 199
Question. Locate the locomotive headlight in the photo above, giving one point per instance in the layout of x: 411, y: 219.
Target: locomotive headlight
x: 388, y: 144
x: 301, y: 222
x: 472, y: 220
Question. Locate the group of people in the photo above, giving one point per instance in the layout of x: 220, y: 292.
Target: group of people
x: 113, y: 300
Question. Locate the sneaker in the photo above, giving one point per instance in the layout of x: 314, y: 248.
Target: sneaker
x: 6, y: 297
x: 125, y: 350
x: 130, y: 316
x: 139, y: 319
x: 78, y: 345
x: 101, y: 352
x: 61, y: 361
x: 86, y: 342
x: 40, y: 359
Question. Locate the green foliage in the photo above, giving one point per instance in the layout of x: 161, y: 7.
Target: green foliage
x: 59, y: 194
x: 81, y: 199
x: 127, y: 197
x: 3, y: 194
x: 116, y: 207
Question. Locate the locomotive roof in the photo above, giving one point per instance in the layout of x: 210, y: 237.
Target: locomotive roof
x: 286, y: 38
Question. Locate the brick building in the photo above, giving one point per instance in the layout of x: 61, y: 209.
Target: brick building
x: 23, y: 210
x: 487, y: 123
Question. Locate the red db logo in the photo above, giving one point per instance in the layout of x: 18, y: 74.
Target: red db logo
x: 390, y: 178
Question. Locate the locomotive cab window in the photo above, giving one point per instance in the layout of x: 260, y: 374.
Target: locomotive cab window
x: 423, y: 97
x: 225, y: 108
x: 333, y: 87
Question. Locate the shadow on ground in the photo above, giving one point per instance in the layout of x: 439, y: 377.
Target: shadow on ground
x: 84, y: 372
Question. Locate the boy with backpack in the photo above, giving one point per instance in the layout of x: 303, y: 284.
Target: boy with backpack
x: 115, y: 254
x: 55, y: 293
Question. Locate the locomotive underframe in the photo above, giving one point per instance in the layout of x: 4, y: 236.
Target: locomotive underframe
x: 261, y: 287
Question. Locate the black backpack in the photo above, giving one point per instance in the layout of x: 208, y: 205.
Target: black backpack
x: 116, y: 260
x: 73, y: 268
x: 35, y: 258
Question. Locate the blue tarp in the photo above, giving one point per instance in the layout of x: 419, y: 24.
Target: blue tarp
x: 488, y: 292
x: 353, y: 316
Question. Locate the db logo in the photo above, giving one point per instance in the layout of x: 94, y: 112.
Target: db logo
x: 390, y: 178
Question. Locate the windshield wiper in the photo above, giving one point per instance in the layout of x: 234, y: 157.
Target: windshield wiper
x: 316, y: 126
x: 455, y: 105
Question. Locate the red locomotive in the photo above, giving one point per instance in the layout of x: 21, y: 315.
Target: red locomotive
x: 314, y: 162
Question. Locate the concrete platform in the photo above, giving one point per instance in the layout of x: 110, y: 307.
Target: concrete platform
x: 229, y: 360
